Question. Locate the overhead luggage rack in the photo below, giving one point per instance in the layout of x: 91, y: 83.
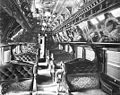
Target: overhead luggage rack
x: 89, y: 10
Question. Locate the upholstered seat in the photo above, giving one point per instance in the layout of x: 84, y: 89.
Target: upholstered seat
x: 81, y: 74
x: 12, y: 73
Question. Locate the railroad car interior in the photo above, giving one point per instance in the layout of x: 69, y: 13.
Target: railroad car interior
x: 60, y: 47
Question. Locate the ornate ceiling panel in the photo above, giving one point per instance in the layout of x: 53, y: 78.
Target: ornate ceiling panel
x: 57, y: 7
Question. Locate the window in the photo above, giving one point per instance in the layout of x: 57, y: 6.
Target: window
x: 5, y: 55
x: 1, y: 56
x: 113, y: 64
x: 66, y: 48
x: 116, y: 12
x: 79, y: 52
x: 60, y: 47
x: 70, y: 49
x: 90, y: 54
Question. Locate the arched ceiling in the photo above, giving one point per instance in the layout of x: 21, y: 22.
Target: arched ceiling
x: 34, y: 12
x: 57, y: 7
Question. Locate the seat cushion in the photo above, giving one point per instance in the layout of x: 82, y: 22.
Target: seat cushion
x: 77, y: 82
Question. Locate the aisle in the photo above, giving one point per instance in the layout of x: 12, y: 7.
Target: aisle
x: 45, y: 84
